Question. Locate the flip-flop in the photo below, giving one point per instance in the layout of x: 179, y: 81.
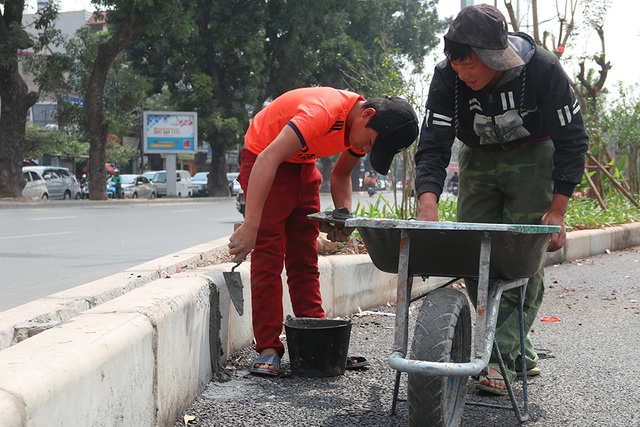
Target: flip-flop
x: 267, y: 359
x: 355, y: 361
x: 532, y: 372
x: 493, y: 390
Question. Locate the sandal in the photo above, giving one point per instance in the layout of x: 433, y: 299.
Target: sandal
x: 355, y: 361
x: 267, y: 359
x: 493, y: 390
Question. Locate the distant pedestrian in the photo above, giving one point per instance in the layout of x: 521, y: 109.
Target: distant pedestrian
x: 116, y: 180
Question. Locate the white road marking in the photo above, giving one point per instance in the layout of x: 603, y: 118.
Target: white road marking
x: 54, y: 217
x: 24, y: 236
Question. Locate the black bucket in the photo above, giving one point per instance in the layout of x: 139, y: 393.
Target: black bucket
x: 317, y: 347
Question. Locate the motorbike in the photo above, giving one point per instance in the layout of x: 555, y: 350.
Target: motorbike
x: 84, y: 189
x: 240, y: 204
x: 371, y: 190
x: 453, y: 188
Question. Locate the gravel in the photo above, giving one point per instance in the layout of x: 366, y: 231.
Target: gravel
x: 589, y: 359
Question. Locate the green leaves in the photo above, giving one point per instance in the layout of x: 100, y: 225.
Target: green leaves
x: 40, y: 142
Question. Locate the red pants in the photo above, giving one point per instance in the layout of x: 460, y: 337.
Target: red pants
x: 286, y: 236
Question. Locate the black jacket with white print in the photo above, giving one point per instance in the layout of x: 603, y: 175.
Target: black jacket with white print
x: 531, y: 103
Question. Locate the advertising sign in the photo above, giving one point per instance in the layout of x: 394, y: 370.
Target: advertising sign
x: 170, y: 132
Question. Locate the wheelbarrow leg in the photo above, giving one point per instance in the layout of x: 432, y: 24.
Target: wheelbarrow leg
x: 402, y: 330
x: 396, y: 390
x: 524, y: 415
x: 403, y: 298
x: 521, y: 414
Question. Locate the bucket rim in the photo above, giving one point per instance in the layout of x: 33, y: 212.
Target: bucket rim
x: 331, y: 323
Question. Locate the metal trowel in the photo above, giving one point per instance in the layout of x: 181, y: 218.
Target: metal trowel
x: 233, y: 280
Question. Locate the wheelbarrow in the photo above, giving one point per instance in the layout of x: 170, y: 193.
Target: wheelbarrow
x: 499, y: 256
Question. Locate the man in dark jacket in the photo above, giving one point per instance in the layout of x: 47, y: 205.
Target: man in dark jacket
x: 524, y: 144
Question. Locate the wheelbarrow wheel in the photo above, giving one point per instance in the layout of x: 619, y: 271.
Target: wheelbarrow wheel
x: 442, y: 334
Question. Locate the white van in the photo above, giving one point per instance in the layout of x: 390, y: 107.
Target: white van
x: 184, y: 184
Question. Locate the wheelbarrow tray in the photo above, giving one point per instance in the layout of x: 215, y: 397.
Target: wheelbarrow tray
x: 452, y: 249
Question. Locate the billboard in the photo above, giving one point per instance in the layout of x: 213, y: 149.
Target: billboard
x: 170, y: 132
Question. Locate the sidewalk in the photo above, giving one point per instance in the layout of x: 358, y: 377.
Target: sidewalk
x: 589, y: 361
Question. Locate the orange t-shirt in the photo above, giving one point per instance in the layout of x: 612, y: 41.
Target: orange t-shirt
x: 318, y: 115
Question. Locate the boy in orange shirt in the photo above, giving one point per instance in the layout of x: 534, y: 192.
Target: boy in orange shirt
x: 281, y: 185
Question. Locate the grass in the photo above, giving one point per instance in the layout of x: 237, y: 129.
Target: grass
x: 582, y: 213
x: 585, y: 213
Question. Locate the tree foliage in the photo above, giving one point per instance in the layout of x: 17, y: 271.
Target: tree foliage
x: 238, y: 54
x: 102, y: 114
x: 317, y: 47
x: 40, y: 141
x: 621, y: 123
x: 211, y: 64
x: 222, y: 59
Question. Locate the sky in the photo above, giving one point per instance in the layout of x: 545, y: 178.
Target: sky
x: 622, y: 30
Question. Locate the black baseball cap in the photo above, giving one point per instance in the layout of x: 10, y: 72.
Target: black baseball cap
x: 397, y: 125
x: 484, y: 28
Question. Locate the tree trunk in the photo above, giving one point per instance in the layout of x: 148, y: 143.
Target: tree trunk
x: 218, y: 183
x: 98, y: 128
x: 325, y: 164
x: 634, y: 168
x: 15, y: 101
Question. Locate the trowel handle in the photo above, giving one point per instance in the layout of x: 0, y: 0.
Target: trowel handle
x: 236, y: 266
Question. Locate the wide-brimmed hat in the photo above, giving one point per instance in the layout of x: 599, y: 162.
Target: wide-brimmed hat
x: 484, y: 28
x: 397, y: 125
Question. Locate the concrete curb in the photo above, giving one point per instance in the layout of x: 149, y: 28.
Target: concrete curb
x: 136, y: 348
x: 21, y: 322
x: 133, y: 360
x: 585, y: 243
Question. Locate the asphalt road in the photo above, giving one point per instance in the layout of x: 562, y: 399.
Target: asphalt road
x: 43, y: 251
x: 48, y: 247
x: 589, y: 362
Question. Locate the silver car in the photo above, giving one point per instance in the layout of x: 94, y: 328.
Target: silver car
x: 134, y: 186
x: 200, y: 182
x: 61, y: 184
x: 36, y: 187
x: 234, y: 185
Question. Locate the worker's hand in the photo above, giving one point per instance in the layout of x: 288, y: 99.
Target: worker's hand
x: 555, y: 216
x: 557, y: 239
x: 428, y: 208
x: 335, y: 232
x: 241, y: 242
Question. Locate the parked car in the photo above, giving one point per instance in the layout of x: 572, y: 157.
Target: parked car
x: 200, y: 181
x: 133, y: 187
x: 149, y: 175
x: 184, y: 184
x: 61, y: 184
x: 240, y: 202
x: 36, y: 187
x: 234, y: 185
x: 77, y: 187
